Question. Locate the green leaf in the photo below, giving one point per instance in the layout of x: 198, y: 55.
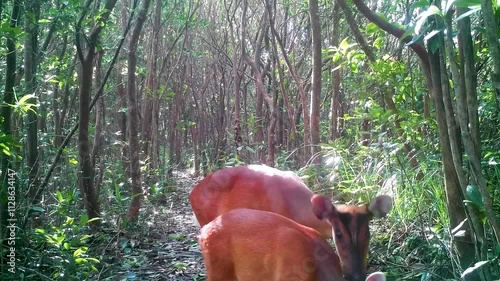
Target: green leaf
x: 408, y: 32
x: 69, y: 221
x: 78, y: 252
x: 434, y: 44
x: 93, y: 260
x: 93, y: 219
x: 84, y: 220
x: 474, y: 268
x: 180, y: 265
x: 336, y: 58
x: 420, y: 4
x: 432, y: 10
x: 60, y: 197
x: 470, y: 12
x: 344, y: 44
x: 177, y: 237
x: 448, y: 5
x: 372, y: 28
x: 60, y: 239
x: 131, y: 276
x: 429, y: 36
x: 425, y: 276
x: 467, y: 3
x: 473, y: 194
x: 37, y: 209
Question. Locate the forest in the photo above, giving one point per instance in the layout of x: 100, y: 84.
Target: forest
x: 113, y: 111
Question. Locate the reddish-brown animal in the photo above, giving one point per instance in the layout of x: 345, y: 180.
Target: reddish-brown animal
x: 248, y: 245
x: 256, y: 187
x: 263, y: 188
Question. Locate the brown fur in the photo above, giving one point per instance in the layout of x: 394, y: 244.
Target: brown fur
x: 264, y: 188
x: 257, y: 187
x: 250, y: 245
x: 351, y: 232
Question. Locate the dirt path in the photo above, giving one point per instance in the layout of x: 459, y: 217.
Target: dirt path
x: 184, y: 261
x: 167, y: 248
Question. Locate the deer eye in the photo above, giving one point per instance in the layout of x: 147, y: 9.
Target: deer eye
x: 338, y: 235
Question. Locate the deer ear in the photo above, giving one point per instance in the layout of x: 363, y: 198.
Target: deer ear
x: 380, y: 206
x: 376, y: 276
x: 322, y: 207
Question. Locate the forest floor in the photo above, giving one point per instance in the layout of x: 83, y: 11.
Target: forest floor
x: 167, y: 247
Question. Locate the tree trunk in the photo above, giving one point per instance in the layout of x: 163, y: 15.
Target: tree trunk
x: 468, y: 83
x: 284, y: 102
x: 259, y: 123
x: 30, y: 70
x: 454, y: 197
x: 490, y: 24
x: 133, y: 122
x: 58, y: 108
x: 121, y: 105
x: 86, y: 173
x: 237, y: 63
x: 150, y: 93
x: 121, y: 116
x: 303, y: 96
x: 316, y: 81
x: 99, y: 127
x: 7, y: 174
x: 335, y: 106
x: 458, y: 75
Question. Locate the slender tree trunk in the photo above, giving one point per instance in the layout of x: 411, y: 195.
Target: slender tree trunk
x: 259, y: 123
x: 30, y: 72
x: 458, y: 75
x: 172, y: 135
x: 149, y: 95
x: 121, y: 116
x: 237, y: 77
x: 60, y: 109
x: 155, y: 151
x: 284, y: 102
x: 316, y: 81
x: 303, y: 96
x: 133, y: 122
x: 468, y: 83
x: 469, y: 124
x: 454, y: 197
x: 86, y: 172
x: 262, y: 96
x: 121, y: 105
x: 99, y: 127
x: 150, y: 111
x: 491, y: 27
x: 335, y: 106
x: 8, y: 177
x: 86, y: 169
